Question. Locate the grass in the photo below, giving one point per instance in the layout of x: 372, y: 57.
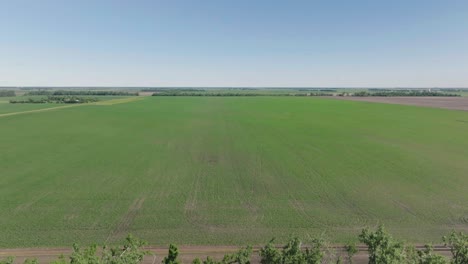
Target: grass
x: 228, y: 170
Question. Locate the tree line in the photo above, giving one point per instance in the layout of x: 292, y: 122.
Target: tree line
x: 7, y: 93
x: 382, y: 248
x: 90, y: 93
x: 403, y: 93
x: 56, y: 100
x: 172, y: 89
x: 238, y: 94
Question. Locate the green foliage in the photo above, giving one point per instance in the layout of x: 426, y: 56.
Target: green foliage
x: 270, y: 254
x: 7, y: 93
x: 8, y: 260
x: 90, y: 93
x: 61, y: 260
x: 228, y: 94
x: 56, y: 100
x: 403, y: 93
x: 210, y: 260
x: 240, y: 257
x: 314, y: 254
x: 458, y: 243
x: 31, y: 261
x: 427, y: 256
x: 351, y: 250
x: 130, y: 253
x: 276, y: 163
x: 172, y: 255
x: 292, y: 253
x: 383, y: 249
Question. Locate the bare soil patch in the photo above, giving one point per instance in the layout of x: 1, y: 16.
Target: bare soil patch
x: 454, y: 103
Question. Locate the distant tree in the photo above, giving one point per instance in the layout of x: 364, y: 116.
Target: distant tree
x: 92, y: 93
x: 7, y: 93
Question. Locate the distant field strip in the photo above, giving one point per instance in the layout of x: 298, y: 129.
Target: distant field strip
x: 119, y: 101
x: 104, y: 102
x: 39, y: 110
x: 453, y: 103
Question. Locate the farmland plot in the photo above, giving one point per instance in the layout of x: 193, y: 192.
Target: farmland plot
x: 219, y: 170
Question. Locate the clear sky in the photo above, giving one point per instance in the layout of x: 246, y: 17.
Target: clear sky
x: 348, y: 43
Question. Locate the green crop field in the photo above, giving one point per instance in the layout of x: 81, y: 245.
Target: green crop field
x: 230, y: 170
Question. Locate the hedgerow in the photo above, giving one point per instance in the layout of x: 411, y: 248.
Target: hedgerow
x: 382, y: 249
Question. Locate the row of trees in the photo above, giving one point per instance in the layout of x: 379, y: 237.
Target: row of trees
x: 7, y: 93
x: 382, y: 249
x: 403, y: 93
x: 91, y: 93
x: 56, y: 100
x: 172, y: 90
x: 238, y: 94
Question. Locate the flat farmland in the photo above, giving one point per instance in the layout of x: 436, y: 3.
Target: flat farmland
x: 6, y: 108
x: 454, y: 103
x: 231, y: 171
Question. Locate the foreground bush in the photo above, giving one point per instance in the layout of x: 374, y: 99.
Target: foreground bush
x: 458, y: 244
x: 382, y: 248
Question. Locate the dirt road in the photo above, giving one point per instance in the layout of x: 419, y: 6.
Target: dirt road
x: 187, y: 253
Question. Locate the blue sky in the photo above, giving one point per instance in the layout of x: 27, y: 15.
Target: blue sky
x: 352, y: 43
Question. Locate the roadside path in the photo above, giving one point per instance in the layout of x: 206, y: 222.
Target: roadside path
x: 106, y: 102
x: 39, y: 110
x: 187, y: 253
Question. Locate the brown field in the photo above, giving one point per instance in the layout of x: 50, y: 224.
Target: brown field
x: 454, y: 103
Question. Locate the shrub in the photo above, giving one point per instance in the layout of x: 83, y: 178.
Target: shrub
x: 427, y: 256
x: 458, y: 243
x: 383, y: 249
x: 172, y: 255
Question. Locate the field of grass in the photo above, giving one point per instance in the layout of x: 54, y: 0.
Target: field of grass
x: 231, y: 170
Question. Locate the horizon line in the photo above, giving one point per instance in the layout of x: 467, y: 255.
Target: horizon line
x: 236, y: 87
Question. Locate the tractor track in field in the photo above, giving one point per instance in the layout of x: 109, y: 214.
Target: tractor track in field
x: 187, y: 253
x: 39, y: 110
x: 126, y: 220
